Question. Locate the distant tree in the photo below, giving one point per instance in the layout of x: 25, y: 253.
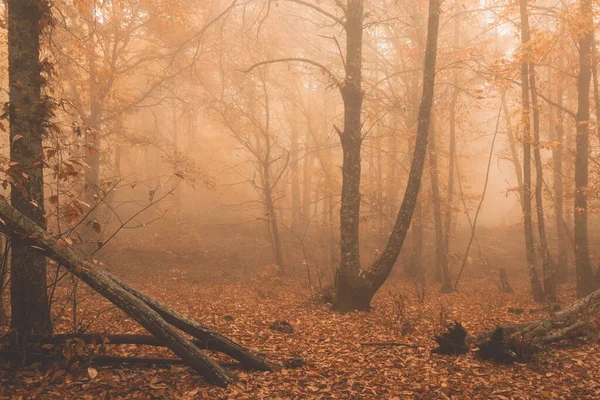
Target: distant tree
x: 536, y: 286
x: 585, y: 278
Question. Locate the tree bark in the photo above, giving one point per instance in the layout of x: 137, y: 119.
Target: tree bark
x: 536, y: 287
x: 351, y: 288
x: 354, y: 288
x: 585, y: 278
x: 29, y: 299
x: 26, y: 231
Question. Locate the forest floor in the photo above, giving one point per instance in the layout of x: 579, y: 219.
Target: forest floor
x: 337, y: 365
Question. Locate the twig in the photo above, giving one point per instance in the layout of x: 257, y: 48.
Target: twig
x: 397, y: 344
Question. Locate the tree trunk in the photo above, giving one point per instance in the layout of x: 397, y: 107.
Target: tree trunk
x: 92, y: 145
x: 557, y: 162
x: 295, y: 174
x: 3, y: 284
x: 451, y: 165
x: 585, y: 277
x: 29, y: 299
x: 513, y: 150
x: 355, y: 290
x: 548, y: 266
x: 351, y: 289
x: 307, y: 174
x: 100, y: 281
x: 536, y: 287
x: 441, y: 257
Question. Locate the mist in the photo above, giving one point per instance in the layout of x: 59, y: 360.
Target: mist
x: 298, y: 199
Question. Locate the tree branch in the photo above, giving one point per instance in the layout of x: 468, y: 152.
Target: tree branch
x: 321, y: 11
x: 323, y: 68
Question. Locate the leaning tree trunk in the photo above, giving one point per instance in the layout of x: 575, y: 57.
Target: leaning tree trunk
x: 536, y: 287
x: 583, y: 267
x: 151, y: 314
x: 29, y: 299
x: 548, y: 266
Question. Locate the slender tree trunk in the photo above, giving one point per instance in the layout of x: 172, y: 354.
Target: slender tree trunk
x: 272, y: 217
x: 295, y: 178
x: 441, y: 257
x: 307, y: 174
x: 585, y: 278
x: 267, y: 183
x: 451, y: 165
x: 452, y: 149
x: 379, y: 180
x: 513, y: 150
x: 29, y: 299
x: 548, y: 266
x: 594, y: 66
x: 536, y: 286
x: 391, y: 175
x: 92, y: 141
x: 557, y: 162
x: 3, y: 272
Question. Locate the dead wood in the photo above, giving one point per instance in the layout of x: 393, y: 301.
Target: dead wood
x: 524, y: 340
x: 452, y: 342
x: 19, y: 227
x: 129, y: 339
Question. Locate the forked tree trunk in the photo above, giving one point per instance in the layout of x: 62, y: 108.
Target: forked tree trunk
x: 585, y: 277
x: 355, y: 290
x: 536, y: 287
x: 29, y: 299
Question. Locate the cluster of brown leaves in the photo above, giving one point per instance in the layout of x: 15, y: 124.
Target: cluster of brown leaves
x: 337, y: 365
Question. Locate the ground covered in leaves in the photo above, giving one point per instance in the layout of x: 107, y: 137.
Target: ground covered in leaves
x: 337, y: 363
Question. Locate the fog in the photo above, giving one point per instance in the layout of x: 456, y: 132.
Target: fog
x: 262, y: 154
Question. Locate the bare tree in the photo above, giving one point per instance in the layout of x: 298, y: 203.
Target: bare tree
x: 536, y: 287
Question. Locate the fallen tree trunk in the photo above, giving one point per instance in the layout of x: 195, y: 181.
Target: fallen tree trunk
x: 208, y: 338
x: 19, y: 227
x: 527, y: 338
x: 246, y: 359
